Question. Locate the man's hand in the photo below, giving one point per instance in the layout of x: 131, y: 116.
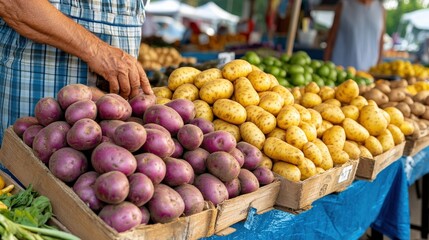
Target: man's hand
x: 123, y: 72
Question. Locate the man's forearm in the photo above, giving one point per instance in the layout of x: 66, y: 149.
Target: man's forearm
x: 39, y: 21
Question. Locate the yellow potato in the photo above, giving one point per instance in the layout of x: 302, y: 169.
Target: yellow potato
x: 372, y: 118
x: 260, y: 80
x: 307, y: 169
x: 325, y: 126
x: 374, y: 146
x: 162, y: 100
x: 339, y: 156
x: 335, y: 136
x: 352, y: 150
x: 398, y: 136
x: 396, y: 116
x: 364, y: 152
x: 386, y: 140
x: 347, y: 91
x: 386, y: 116
x: 334, y: 102
x: 320, y: 170
x: 312, y: 152
x: 316, y: 118
x: 250, y: 133
x: 310, y: 100
x: 296, y: 137
x: 326, y: 93
x: 273, y: 81
x: 333, y: 114
x: 164, y: 92
x: 372, y: 103
x: 263, y: 119
x: 186, y: 91
x: 407, y: 128
x: 229, y: 111
x: 327, y: 162
x: 351, y: 111
x: 181, y: 76
x: 285, y: 93
x: 217, y: 89
x: 288, y: 116
x: 207, y: 76
x: 277, y: 149
x: 310, y: 131
x: 272, y: 102
x: 288, y: 171
x: 278, y: 133
x: 312, y: 87
x: 355, y: 131
x: 235, y: 69
x: 244, y: 92
x: 296, y: 94
x: 303, y: 112
x: 359, y: 102
x: 266, y: 162
x: 203, y: 110
x: 319, y: 108
x: 226, y: 126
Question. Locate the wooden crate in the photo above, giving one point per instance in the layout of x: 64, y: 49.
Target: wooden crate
x: 413, y: 146
x: 79, y: 218
x: 236, y: 209
x: 369, y: 168
x: 296, y: 196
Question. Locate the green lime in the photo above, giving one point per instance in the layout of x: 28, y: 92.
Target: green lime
x: 282, y: 73
x: 308, y: 78
x: 330, y: 64
x: 330, y: 83
x: 315, y: 64
x: 323, y: 71
x: 300, y: 53
x: 277, y: 63
x: 268, y: 61
x: 283, y: 81
x: 368, y: 81
x: 308, y: 69
x: 319, y: 82
x: 341, y: 76
x: 261, y: 66
x: 273, y: 70
x: 298, y: 60
x: 294, y: 69
x: 253, y: 58
x: 333, y: 75
x: 297, y: 79
x: 284, y: 58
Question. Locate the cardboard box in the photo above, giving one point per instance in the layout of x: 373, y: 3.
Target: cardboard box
x: 413, y: 146
x: 296, y: 196
x: 80, y: 219
x: 9, y: 180
x: 236, y: 209
x: 369, y: 168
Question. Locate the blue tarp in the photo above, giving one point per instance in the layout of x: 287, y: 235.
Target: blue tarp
x: 382, y: 204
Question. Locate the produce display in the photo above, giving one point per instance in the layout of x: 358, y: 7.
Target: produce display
x: 410, y: 99
x: 139, y: 160
x: 299, y: 69
x: 401, y: 68
x: 305, y: 131
x: 24, y: 215
x: 156, y: 58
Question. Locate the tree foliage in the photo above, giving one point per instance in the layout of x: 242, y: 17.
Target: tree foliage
x: 393, y: 16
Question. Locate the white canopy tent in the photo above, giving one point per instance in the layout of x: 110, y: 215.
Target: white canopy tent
x: 419, y: 18
x: 170, y: 7
x: 213, y: 12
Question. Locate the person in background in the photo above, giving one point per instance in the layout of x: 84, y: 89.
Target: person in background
x: 46, y: 45
x: 356, y: 36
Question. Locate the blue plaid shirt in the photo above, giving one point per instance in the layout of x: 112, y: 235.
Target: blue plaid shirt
x: 30, y: 71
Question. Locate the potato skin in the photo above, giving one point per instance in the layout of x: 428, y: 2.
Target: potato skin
x: 181, y: 76
x: 260, y: 80
x: 289, y: 171
x: 327, y: 162
x: 277, y: 149
x: 186, y: 91
x: 220, y: 124
x: 244, y: 92
x: 252, y: 134
x: 296, y: 137
x: 261, y: 118
x: 206, y: 76
x: 229, y: 111
x: 354, y: 131
x: 217, y: 89
x: 307, y: 169
x: 374, y: 146
x: 163, y: 91
x: 203, y: 110
x: 285, y: 93
x: 271, y: 102
x: 288, y: 116
x: 235, y: 69
x: 312, y: 152
x: 335, y: 136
